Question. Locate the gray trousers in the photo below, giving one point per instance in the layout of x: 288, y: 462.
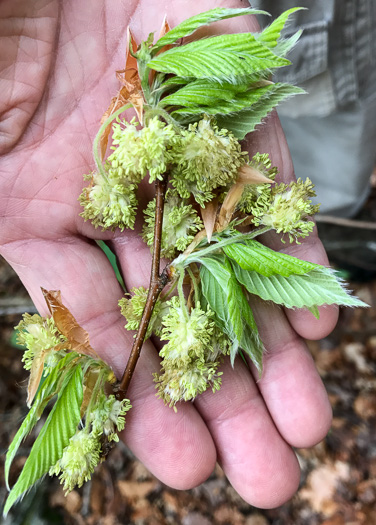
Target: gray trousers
x: 331, y: 131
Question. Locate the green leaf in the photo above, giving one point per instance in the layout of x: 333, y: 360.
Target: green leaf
x: 45, y: 392
x: 189, y: 26
x: 223, y: 57
x: 285, y: 44
x: 215, y: 265
x: 243, y: 322
x: 245, y: 121
x: 48, y: 448
x: 256, y: 257
x: 316, y: 288
x: 201, y: 92
x: 252, y: 345
x: 314, y: 311
x: 226, y: 299
x: 271, y: 34
x: 239, y: 102
x: 216, y: 298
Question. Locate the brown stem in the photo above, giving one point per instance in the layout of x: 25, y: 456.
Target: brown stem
x: 157, y: 283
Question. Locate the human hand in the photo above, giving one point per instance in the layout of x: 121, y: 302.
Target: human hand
x: 58, y: 82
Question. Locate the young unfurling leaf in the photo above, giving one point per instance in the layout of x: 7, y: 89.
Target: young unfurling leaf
x: 252, y: 255
x: 318, y: 287
x: 245, y: 121
x: 61, y: 424
x: 47, y: 390
x: 226, y: 298
x: 189, y: 26
x: 271, y: 35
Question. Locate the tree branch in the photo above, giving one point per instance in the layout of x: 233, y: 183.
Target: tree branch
x: 157, y: 283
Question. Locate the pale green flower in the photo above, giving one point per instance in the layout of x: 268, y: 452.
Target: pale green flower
x: 108, y: 416
x: 79, y: 459
x: 258, y: 195
x: 138, y: 151
x: 188, y: 335
x: 180, y: 223
x: 176, y: 384
x: 192, y: 355
x: 38, y: 334
x: 206, y: 158
x: 132, y: 306
x: 289, y: 208
x: 107, y: 205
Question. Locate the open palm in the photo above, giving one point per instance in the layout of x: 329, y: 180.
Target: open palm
x: 58, y: 78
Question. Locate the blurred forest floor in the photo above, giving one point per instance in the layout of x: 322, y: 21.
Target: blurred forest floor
x: 338, y: 484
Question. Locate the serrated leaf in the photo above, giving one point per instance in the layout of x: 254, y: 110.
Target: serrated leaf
x: 189, y: 26
x: 252, y: 345
x: 243, y: 322
x: 314, y: 311
x: 286, y: 44
x: 256, y: 257
x: 223, y: 57
x: 226, y: 299
x: 201, y: 92
x: 316, y: 288
x: 215, y: 266
x: 59, y: 427
x: 239, y: 102
x: 271, y: 34
x: 46, y: 391
x: 216, y: 298
x: 245, y: 121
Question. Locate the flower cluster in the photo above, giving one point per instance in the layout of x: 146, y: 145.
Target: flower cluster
x: 191, y: 356
x: 39, y: 334
x: 137, y: 152
x: 79, y: 459
x: 108, y: 416
x: 201, y: 159
x: 258, y: 194
x: 132, y: 306
x: 110, y: 200
x: 180, y: 223
x: 288, y: 209
x: 205, y: 158
x: 109, y: 203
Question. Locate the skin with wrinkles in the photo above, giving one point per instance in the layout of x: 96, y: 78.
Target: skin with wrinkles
x: 57, y: 81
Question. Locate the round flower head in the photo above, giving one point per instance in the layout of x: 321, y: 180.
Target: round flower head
x: 188, y: 335
x: 137, y: 152
x: 79, y: 459
x: 288, y: 210
x: 180, y: 223
x: 176, y: 384
x: 108, y: 204
x: 205, y: 158
x: 38, y: 334
x: 108, y: 417
x: 256, y: 195
x: 132, y: 307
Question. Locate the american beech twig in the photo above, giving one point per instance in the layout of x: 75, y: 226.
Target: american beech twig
x: 157, y: 283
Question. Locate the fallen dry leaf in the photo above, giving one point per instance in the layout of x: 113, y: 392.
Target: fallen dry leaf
x: 78, y: 338
x: 322, y: 484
